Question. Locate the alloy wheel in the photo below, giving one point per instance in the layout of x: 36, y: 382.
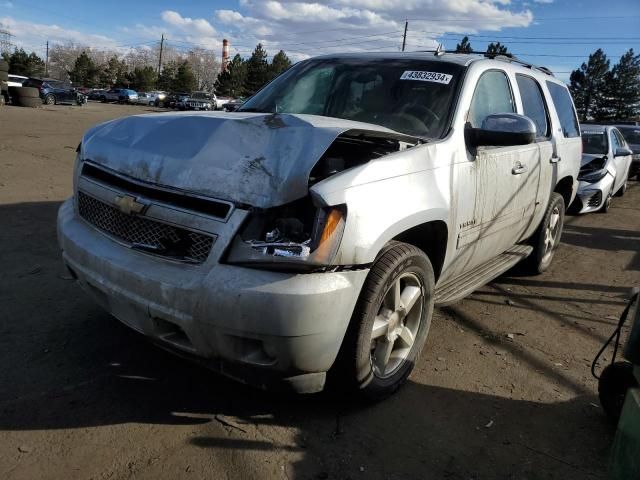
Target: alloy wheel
x: 396, y: 325
x: 551, y: 233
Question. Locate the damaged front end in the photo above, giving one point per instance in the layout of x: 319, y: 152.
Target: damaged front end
x: 593, y: 169
x: 305, y: 234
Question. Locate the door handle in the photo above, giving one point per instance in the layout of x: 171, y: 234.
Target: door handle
x: 518, y: 169
x: 555, y: 159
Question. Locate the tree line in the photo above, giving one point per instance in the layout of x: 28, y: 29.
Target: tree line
x: 243, y: 77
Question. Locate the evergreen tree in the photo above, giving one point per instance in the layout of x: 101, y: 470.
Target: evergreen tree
x: 230, y: 82
x: 622, y: 89
x: 464, y: 46
x: 143, y: 78
x: 167, y: 76
x: 114, y: 73
x: 22, y: 64
x: 84, y: 71
x: 257, y: 70
x: 496, y: 48
x: 588, y: 85
x: 185, y: 80
x: 279, y: 64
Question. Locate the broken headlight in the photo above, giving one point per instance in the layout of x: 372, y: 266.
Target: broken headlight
x: 295, y: 236
x: 593, y: 171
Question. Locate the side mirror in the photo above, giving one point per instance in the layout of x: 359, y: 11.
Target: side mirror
x: 622, y: 152
x: 502, y: 129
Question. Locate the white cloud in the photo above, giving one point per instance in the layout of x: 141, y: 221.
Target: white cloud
x: 198, y: 25
x: 543, y: 1
x: 33, y: 36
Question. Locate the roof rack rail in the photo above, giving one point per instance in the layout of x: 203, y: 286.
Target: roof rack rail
x: 505, y: 57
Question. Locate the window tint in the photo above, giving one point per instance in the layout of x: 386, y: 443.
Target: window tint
x: 564, y: 107
x: 492, y: 95
x: 620, y: 138
x: 533, y: 104
x: 615, y: 144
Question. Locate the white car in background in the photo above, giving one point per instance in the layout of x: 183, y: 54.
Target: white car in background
x: 145, y: 98
x: 604, y: 169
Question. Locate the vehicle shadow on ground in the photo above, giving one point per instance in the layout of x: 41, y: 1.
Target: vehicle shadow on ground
x: 68, y: 365
x: 605, y: 239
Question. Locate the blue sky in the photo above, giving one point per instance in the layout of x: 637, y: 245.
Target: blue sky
x: 557, y: 33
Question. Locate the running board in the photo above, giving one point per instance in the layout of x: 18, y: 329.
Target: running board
x: 459, y: 287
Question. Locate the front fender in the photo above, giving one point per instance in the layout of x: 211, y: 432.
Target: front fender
x: 379, y: 211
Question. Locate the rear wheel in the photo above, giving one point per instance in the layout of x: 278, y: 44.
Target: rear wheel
x: 50, y: 99
x: 547, y: 237
x: 622, y: 190
x: 390, y: 323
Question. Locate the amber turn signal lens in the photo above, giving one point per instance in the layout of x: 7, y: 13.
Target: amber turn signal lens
x: 324, y: 249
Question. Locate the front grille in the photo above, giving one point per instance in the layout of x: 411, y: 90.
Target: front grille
x: 595, y: 200
x: 179, y: 199
x: 145, y: 234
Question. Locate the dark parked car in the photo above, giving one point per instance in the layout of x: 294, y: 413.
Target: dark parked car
x: 175, y: 98
x: 55, y: 91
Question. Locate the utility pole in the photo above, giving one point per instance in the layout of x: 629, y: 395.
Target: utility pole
x: 46, y: 62
x: 160, y: 56
x: 404, y: 37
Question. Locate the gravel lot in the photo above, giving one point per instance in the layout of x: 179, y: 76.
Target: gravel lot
x: 81, y: 396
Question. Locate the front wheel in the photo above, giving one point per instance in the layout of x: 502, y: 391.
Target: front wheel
x: 390, y: 323
x: 547, y: 237
x: 50, y: 99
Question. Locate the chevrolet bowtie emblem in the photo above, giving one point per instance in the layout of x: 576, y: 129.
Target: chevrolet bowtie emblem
x: 128, y: 204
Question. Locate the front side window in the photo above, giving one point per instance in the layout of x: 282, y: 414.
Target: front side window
x: 564, y: 106
x: 533, y: 103
x: 631, y: 134
x: 410, y: 96
x: 620, y: 139
x: 594, y: 142
x: 492, y: 95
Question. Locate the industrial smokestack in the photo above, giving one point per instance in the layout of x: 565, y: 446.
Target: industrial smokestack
x: 225, y: 54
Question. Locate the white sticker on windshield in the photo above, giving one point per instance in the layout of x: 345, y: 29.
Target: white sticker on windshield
x: 427, y: 76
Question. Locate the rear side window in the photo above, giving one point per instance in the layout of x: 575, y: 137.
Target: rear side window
x: 492, y: 95
x: 564, y: 107
x: 533, y: 104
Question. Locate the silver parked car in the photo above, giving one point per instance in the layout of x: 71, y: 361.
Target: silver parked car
x: 606, y: 159
x: 313, y: 231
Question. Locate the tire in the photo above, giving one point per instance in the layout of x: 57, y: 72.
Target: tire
x: 361, y: 365
x: 546, y: 239
x: 616, y: 379
x: 24, y: 92
x: 50, y: 99
x: 103, y: 99
x: 622, y: 190
x: 606, y: 205
x: 29, y: 102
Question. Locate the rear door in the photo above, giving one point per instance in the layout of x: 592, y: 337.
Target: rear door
x: 534, y: 190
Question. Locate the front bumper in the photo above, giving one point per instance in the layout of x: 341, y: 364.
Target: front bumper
x: 257, y: 326
x: 591, y: 196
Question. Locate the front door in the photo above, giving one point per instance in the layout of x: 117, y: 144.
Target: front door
x: 507, y: 177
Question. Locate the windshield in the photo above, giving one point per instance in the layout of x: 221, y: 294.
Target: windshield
x: 594, y: 143
x: 409, y: 96
x: 631, y: 134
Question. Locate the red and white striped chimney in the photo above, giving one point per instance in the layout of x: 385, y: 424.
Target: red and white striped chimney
x: 225, y: 54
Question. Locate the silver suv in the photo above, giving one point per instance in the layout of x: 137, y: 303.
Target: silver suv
x: 313, y: 231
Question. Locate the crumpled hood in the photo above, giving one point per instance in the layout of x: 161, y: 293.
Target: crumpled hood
x: 590, y: 157
x: 263, y: 160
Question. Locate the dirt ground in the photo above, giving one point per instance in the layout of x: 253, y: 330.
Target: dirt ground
x: 82, y: 396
